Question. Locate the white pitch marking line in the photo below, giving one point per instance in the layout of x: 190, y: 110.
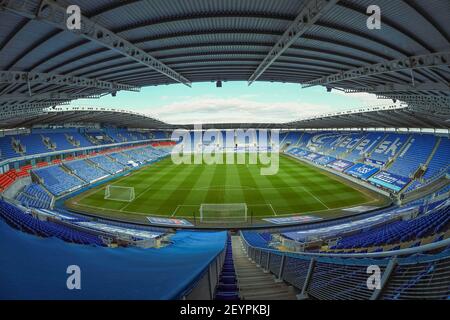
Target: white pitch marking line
x: 142, y: 193
x: 175, y: 211
x: 273, y: 210
x: 165, y: 215
x: 265, y: 205
x: 182, y: 205
x: 115, y: 210
x: 316, y: 198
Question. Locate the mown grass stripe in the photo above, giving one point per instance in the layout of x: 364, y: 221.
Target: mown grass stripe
x: 175, y: 198
x: 162, y: 187
x: 287, y: 198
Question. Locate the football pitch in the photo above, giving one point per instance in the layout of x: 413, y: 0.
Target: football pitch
x: 164, y: 189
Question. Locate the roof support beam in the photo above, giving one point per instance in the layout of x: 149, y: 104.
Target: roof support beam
x: 439, y: 117
x: 20, y: 110
x: 420, y: 99
x: 427, y: 104
x: 56, y: 96
x: 18, y: 77
x: 409, y: 63
x: 411, y: 119
x: 310, y: 13
x: 372, y: 119
x: 394, y: 87
x: 55, y: 14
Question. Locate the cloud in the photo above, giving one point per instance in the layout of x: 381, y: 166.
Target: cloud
x: 269, y: 105
x: 366, y: 99
x: 210, y: 109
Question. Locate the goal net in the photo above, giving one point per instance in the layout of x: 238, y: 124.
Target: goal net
x: 118, y: 193
x: 222, y: 213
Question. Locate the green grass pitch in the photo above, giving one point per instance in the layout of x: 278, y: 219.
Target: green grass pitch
x: 166, y: 189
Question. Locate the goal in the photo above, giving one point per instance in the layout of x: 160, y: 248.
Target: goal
x: 119, y: 193
x: 223, y: 212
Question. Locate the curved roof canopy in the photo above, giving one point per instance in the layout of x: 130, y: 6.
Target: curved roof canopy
x: 57, y: 116
x: 394, y: 116
x: 124, y: 45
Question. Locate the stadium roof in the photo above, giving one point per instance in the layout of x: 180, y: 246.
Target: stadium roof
x: 124, y: 45
x: 378, y: 117
x: 86, y: 115
x: 395, y: 116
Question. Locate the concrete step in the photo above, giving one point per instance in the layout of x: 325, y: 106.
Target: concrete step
x: 267, y: 288
x: 254, y: 283
x: 260, y: 281
x: 263, y: 286
x: 265, y: 296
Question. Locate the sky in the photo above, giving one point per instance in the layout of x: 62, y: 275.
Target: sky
x: 234, y: 102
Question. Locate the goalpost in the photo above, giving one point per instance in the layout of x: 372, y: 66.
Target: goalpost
x: 223, y: 212
x: 119, y: 193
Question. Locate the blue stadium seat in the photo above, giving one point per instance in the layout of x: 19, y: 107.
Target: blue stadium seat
x: 32, y: 143
x: 439, y: 164
x: 389, y: 147
x: 399, y: 231
x: 33, y: 195
x: 120, y: 157
x: 79, y: 139
x: 257, y: 239
x: 108, y: 164
x: 416, y: 153
x: 86, y: 171
x: 25, y: 222
x: 365, y: 146
x: 6, y: 148
x: 57, y: 180
x: 60, y: 141
x: 227, y: 288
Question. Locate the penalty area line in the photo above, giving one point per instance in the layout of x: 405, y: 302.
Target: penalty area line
x: 273, y: 210
x: 142, y: 193
x: 175, y: 211
x: 182, y: 205
x: 264, y: 205
x: 316, y: 198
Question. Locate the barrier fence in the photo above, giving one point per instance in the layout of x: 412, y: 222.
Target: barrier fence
x: 203, y: 288
x: 414, y: 273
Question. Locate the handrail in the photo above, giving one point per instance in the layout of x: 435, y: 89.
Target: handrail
x: 391, y: 253
x: 347, y: 278
x: 218, y: 260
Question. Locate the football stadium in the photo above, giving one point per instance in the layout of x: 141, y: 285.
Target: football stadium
x: 225, y: 150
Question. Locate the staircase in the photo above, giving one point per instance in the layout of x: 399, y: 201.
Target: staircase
x: 253, y: 282
x: 297, y: 143
x: 122, y: 138
x: 377, y: 144
x: 283, y: 146
x: 408, y: 143
x: 91, y: 139
x: 18, y: 147
x: 72, y: 141
x: 436, y: 147
x: 48, y: 143
x: 227, y: 287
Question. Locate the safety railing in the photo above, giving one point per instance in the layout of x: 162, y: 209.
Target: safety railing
x: 414, y: 273
x: 203, y: 288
